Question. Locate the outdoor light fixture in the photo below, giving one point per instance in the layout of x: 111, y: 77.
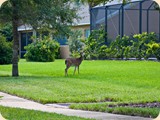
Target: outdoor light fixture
x: 157, y: 1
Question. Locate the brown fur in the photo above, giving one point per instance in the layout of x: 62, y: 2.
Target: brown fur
x: 73, y: 62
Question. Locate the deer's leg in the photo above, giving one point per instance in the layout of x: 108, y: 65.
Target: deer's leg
x: 66, y: 70
x: 78, y: 69
x: 74, y: 70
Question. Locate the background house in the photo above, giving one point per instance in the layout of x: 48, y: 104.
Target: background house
x: 26, y: 32
x: 84, y: 23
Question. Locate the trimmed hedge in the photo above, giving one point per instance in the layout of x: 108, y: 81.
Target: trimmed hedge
x: 138, y: 46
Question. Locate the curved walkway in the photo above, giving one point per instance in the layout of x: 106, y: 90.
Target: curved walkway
x: 14, y: 101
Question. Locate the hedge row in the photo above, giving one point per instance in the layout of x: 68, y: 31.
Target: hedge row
x: 138, y: 46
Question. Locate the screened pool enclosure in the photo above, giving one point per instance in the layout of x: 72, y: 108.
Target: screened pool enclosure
x: 126, y: 19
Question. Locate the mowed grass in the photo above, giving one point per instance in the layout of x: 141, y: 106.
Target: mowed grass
x: 125, y: 110
x: 22, y: 114
x: 98, y: 81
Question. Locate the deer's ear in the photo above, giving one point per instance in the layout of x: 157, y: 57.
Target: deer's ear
x: 83, y: 54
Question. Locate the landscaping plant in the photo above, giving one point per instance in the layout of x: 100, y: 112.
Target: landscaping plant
x: 42, y: 50
x: 94, y: 43
x: 75, y: 43
x: 153, y: 49
x: 5, y: 51
x: 120, y: 47
x: 140, y: 42
x: 136, y: 46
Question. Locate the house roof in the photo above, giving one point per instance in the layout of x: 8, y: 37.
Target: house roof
x: 84, y: 14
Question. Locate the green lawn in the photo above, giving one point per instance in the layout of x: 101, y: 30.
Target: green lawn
x: 21, y: 114
x: 126, y: 110
x: 98, y: 81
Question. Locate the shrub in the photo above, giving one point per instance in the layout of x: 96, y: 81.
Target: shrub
x: 75, y: 43
x: 57, y: 54
x: 154, y: 49
x: 136, y: 46
x: 42, y: 50
x: 94, y: 44
x: 140, y: 42
x: 120, y: 47
x: 5, y: 51
x: 103, y: 52
x: 157, y: 53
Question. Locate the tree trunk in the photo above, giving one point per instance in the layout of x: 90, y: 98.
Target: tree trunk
x: 15, y: 56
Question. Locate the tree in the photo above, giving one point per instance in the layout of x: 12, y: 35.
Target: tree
x: 52, y: 15
x: 6, y: 30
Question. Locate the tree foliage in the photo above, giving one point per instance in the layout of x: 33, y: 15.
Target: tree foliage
x: 5, y: 51
x: 51, y: 15
x: 6, y: 30
x: 55, y: 15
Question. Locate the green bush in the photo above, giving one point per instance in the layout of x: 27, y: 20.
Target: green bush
x: 139, y: 47
x: 5, y: 51
x: 75, y: 43
x: 136, y: 46
x: 120, y: 47
x: 57, y: 54
x: 95, y: 45
x: 154, y: 49
x: 103, y: 52
x: 42, y: 50
x: 156, y: 52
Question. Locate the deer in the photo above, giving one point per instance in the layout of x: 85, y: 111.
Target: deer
x: 73, y: 62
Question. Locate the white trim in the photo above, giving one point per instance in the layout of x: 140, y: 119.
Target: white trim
x: 25, y: 27
x: 81, y: 24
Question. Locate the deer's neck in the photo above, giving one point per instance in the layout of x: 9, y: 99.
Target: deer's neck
x: 81, y: 57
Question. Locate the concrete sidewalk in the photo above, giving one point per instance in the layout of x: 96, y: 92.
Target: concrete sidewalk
x: 14, y: 101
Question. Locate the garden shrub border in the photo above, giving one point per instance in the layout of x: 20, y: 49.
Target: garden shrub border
x: 139, y: 47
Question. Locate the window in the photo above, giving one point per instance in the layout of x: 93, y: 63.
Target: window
x: 25, y: 40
